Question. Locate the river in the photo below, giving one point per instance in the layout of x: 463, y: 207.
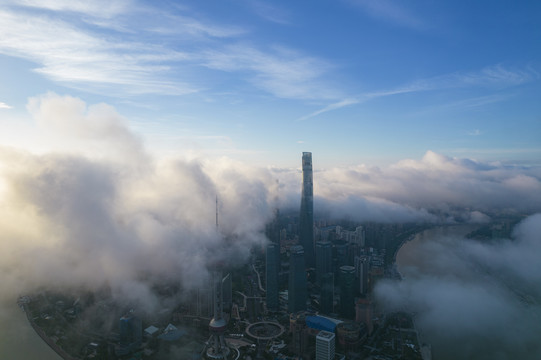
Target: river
x: 409, y: 260
x: 18, y: 341
x: 470, y: 300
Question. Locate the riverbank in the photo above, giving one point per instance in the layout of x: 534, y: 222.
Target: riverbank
x: 64, y: 355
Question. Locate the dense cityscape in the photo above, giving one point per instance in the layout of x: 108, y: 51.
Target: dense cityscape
x: 259, y: 179
x: 306, y: 294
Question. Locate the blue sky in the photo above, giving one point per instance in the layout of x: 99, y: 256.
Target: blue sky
x: 352, y: 81
x: 120, y: 122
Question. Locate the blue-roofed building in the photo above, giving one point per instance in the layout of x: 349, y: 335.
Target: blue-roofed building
x: 320, y: 323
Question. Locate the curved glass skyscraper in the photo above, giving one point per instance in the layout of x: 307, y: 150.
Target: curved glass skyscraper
x: 306, y: 219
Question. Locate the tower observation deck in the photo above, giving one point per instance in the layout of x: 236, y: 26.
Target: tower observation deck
x: 217, y: 348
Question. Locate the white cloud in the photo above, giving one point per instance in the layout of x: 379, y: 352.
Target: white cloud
x: 475, y: 132
x: 134, y: 50
x: 472, y: 299
x: 490, y: 77
x: 282, y: 72
x: 71, y: 55
x: 3, y: 105
x: 97, y: 8
x: 269, y: 11
x: 108, y: 207
x: 391, y: 11
x: 96, y: 209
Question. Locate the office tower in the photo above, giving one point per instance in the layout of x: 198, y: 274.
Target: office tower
x: 204, y: 302
x: 347, y: 278
x: 325, y: 343
x: 297, y: 280
x: 341, y: 249
x: 348, y: 336
x: 364, y: 312
x: 131, y: 330
x: 306, y: 218
x: 323, y: 259
x: 362, y: 270
x: 360, y: 237
x: 298, y: 329
x: 272, y: 270
x: 327, y: 293
x: 272, y: 229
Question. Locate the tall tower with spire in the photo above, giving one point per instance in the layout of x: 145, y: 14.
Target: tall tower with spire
x: 306, y: 218
x: 217, y: 347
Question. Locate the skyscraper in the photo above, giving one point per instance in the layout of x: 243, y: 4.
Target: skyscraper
x: 323, y: 259
x: 297, y: 280
x: 327, y: 293
x: 306, y: 219
x: 325, y: 343
x: 272, y: 269
x: 362, y: 269
x: 347, y: 278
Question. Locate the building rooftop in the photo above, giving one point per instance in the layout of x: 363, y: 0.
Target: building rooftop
x: 325, y: 334
x: 320, y: 323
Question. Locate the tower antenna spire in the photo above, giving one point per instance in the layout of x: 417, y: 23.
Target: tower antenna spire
x: 216, y: 211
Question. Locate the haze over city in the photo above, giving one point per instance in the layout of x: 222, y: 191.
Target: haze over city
x: 120, y: 123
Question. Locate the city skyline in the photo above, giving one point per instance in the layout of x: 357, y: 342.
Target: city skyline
x: 357, y: 82
x: 122, y: 121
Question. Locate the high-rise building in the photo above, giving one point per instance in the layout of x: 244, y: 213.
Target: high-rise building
x: 360, y: 236
x: 271, y: 275
x: 297, y: 280
x: 131, y: 330
x: 362, y: 270
x: 364, y: 312
x: 131, y: 334
x: 341, y: 248
x: 299, y: 332
x: 327, y: 293
x: 323, y: 259
x: 347, y: 278
x: 204, y: 302
x: 306, y: 218
x: 325, y: 343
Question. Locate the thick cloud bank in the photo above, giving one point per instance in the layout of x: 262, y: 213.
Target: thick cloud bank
x: 473, y: 300
x: 450, y: 189
x: 98, y: 208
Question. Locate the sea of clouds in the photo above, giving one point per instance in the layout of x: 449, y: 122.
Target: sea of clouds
x: 98, y: 208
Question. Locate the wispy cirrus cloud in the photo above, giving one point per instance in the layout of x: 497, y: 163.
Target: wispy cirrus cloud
x: 490, y: 77
x: 280, y: 71
x: 475, y: 132
x: 269, y: 11
x: 391, y: 11
x: 363, y: 98
x: 68, y: 54
x: 97, y: 8
x: 123, y: 52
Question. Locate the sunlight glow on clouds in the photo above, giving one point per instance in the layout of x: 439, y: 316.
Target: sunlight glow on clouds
x: 98, y: 190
